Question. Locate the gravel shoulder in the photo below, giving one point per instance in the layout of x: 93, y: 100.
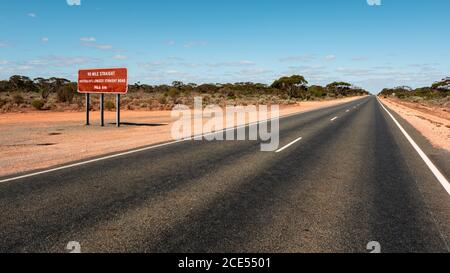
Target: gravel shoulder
x: 432, y: 123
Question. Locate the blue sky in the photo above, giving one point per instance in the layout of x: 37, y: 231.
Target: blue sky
x: 400, y: 42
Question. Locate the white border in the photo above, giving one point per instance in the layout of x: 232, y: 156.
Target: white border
x: 94, y: 92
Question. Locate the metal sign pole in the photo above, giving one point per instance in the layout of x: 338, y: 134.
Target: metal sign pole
x: 87, y: 108
x: 118, y: 110
x: 102, y: 109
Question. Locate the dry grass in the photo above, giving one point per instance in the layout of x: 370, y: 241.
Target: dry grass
x: 23, y: 102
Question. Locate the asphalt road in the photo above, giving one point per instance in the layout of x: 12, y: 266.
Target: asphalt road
x: 348, y: 181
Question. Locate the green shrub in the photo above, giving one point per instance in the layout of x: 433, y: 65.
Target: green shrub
x: 173, y: 93
x: 2, y: 102
x: 162, y: 100
x: 65, y: 94
x: 317, y: 91
x: 109, y: 105
x: 38, y: 104
x: 296, y: 92
x: 18, y: 99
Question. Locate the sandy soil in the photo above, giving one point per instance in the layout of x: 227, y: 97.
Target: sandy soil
x: 431, y: 122
x: 36, y: 140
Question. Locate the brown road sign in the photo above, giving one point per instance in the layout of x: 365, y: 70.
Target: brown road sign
x: 106, y: 80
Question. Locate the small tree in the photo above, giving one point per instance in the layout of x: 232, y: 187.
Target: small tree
x: 339, y: 88
x: 22, y: 83
x: 66, y: 93
x: 294, y: 85
x: 178, y: 84
x: 44, y: 87
x: 443, y: 85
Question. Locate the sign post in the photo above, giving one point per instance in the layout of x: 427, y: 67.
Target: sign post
x: 103, y: 81
x: 102, y: 109
x: 118, y: 110
x: 87, y: 108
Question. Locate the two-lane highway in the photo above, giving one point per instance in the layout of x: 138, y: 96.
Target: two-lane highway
x: 343, y: 176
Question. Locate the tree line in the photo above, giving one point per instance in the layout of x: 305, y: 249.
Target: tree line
x: 440, y: 89
x: 295, y: 87
x: 63, y: 88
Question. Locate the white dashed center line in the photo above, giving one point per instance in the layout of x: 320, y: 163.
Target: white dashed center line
x: 290, y: 144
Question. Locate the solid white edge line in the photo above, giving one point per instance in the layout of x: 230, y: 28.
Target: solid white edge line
x: 288, y: 145
x: 333, y: 119
x: 440, y: 177
x: 155, y: 146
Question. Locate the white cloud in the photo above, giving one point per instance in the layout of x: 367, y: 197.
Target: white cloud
x: 374, y: 2
x: 188, y: 64
x: 193, y: 44
x: 359, y: 58
x: 255, y: 72
x: 24, y: 67
x: 31, y: 14
x: 88, y: 39
x: 180, y: 62
x: 120, y: 57
x: 330, y: 57
x: 311, y: 71
x: 104, y: 47
x: 154, y: 65
x: 59, y: 61
x: 92, y: 42
x: 354, y: 71
x: 246, y: 62
x: 173, y: 72
x: 299, y: 58
x: 3, y: 62
x: 44, y: 40
x: 51, y: 65
x: 171, y: 43
x: 73, y: 2
x: 232, y: 63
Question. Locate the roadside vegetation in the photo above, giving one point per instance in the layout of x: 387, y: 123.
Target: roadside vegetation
x: 437, y: 94
x: 21, y: 93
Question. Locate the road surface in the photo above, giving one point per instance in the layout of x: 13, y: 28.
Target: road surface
x: 347, y: 175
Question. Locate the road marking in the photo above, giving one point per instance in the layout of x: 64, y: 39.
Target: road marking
x: 155, y: 146
x: 333, y: 119
x: 90, y: 161
x: 142, y: 149
x: 348, y: 110
x: 288, y: 145
x: 440, y: 177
